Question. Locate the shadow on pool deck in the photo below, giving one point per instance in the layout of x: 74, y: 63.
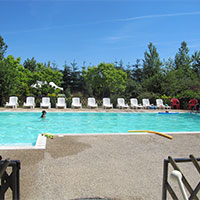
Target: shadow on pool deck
x: 108, y: 167
x: 62, y: 147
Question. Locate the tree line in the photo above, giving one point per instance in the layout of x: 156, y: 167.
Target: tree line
x: 150, y: 77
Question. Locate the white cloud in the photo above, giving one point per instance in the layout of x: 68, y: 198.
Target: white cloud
x: 157, y: 16
x: 118, y: 38
x: 107, y: 21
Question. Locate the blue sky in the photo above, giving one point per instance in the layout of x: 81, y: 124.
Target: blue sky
x: 97, y: 31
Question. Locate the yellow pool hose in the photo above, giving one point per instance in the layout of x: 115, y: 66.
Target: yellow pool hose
x: 158, y: 133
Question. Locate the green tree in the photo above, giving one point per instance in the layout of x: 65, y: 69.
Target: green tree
x: 47, y: 75
x: 154, y: 84
x: 152, y: 73
x: 3, y: 47
x: 8, y: 78
x: 151, y: 62
x: 134, y: 77
x: 137, y: 73
x: 30, y: 64
x: 72, y: 78
x: 182, y: 58
x: 23, y: 81
x: 182, y: 76
x: 105, y: 80
x: 76, y: 85
x: 133, y: 89
x: 119, y: 64
x: 196, y: 62
x: 177, y: 80
x: 66, y: 84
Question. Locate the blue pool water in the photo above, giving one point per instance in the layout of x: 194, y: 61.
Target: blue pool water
x: 19, y: 128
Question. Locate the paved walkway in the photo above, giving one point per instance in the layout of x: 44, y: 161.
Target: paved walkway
x: 126, y: 167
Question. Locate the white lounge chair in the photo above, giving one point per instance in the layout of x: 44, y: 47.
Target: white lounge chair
x: 121, y: 103
x: 134, y: 103
x: 13, y: 102
x: 92, y: 103
x: 45, y: 102
x: 76, y: 102
x: 159, y: 104
x: 106, y: 103
x: 146, y: 103
x: 30, y: 102
x: 61, y: 103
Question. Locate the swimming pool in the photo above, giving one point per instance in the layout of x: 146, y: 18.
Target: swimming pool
x: 22, y: 128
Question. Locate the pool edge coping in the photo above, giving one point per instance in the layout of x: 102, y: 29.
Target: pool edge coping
x: 42, y: 140
x: 40, y: 144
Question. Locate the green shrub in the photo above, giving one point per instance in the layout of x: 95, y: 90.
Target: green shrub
x: 53, y: 99
x: 166, y: 99
x: 149, y: 95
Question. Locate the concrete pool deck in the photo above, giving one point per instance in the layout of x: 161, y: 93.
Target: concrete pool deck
x: 116, y: 167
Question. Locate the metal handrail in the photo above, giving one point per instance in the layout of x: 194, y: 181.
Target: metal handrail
x: 176, y: 174
x: 9, y: 180
x: 166, y: 186
x: 4, y: 167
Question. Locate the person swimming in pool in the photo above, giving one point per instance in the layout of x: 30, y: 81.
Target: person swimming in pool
x: 43, y: 114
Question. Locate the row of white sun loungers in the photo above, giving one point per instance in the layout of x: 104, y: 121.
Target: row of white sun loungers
x: 30, y: 102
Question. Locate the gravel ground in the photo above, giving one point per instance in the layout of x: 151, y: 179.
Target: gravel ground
x: 128, y: 167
